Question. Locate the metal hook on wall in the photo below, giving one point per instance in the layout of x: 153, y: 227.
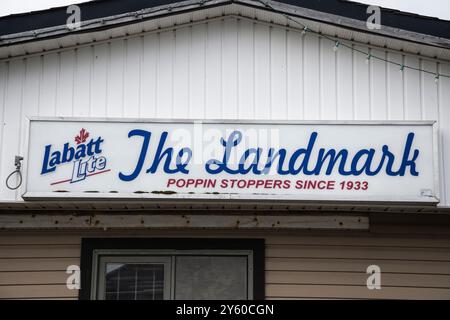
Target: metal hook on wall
x: 18, y: 164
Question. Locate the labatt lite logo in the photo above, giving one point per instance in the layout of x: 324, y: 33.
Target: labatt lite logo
x: 85, y: 156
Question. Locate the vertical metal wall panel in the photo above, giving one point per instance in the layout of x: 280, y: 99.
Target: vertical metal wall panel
x: 344, y: 85
x: 328, y: 98
x: 412, y: 90
x: 262, y: 72
x: 222, y: 69
x: 149, y: 76
x: 213, y: 76
x: 164, y: 105
x: 278, y: 73
x: 30, y: 102
x: 294, y: 71
x: 48, y: 89
x: 82, y: 83
x: 246, y: 72
x: 229, y: 69
x: 361, y: 81
x: 181, y: 81
x: 116, y: 79
x: 197, y: 72
x: 11, y: 123
x: 99, y: 84
x: 378, y: 96
x: 429, y: 92
x: 311, y: 79
x: 132, y: 77
x: 66, y: 79
x: 395, y: 88
x: 4, y: 72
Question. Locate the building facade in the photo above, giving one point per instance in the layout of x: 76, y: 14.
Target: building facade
x: 289, y: 66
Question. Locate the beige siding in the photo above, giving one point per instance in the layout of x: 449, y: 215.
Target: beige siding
x: 322, y: 266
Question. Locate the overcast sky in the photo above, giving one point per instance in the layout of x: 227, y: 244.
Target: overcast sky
x: 434, y: 8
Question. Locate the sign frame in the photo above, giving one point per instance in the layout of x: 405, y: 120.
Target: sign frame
x: 125, y: 197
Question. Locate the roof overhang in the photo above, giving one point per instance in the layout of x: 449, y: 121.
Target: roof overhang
x: 194, y: 11
x: 211, y: 206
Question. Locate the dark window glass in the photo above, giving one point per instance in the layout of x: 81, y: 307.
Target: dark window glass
x: 134, y: 281
x: 211, y: 278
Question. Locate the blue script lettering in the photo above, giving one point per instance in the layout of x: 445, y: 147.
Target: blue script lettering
x: 68, y: 154
x: 327, y: 160
x: 162, y: 154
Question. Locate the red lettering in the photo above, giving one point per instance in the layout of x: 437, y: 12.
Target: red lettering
x: 259, y: 183
x: 170, y: 182
x: 277, y: 184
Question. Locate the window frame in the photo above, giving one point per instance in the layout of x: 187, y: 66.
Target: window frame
x: 92, y: 249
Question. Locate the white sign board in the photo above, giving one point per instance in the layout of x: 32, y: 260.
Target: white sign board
x: 326, y: 161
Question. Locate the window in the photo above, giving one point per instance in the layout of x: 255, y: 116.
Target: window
x: 182, y: 269
x: 213, y: 277
x: 137, y: 278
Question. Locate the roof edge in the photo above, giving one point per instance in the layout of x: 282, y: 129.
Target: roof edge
x: 192, y: 5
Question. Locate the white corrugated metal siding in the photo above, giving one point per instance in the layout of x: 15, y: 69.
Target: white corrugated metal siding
x: 224, y: 69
